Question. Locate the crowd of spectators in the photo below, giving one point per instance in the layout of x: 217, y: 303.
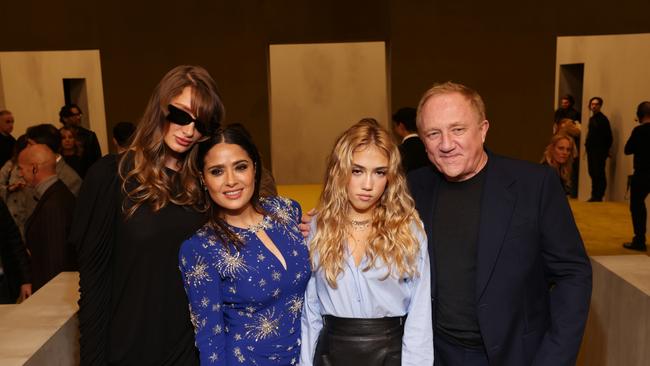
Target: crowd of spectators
x: 41, y: 173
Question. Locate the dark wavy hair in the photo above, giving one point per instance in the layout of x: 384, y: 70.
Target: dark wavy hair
x: 231, y: 135
x: 142, y: 167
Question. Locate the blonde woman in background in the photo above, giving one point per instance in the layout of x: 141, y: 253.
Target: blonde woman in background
x: 559, y: 155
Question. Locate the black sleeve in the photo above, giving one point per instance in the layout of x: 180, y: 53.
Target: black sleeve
x: 14, y: 255
x: 92, y: 235
x: 607, y: 131
x: 630, y: 145
x: 93, y: 152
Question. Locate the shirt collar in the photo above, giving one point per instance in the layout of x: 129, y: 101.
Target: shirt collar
x: 409, y: 136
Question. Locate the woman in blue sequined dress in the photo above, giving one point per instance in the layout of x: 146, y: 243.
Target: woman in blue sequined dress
x: 245, y: 272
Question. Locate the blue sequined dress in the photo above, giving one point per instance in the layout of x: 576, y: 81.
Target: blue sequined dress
x: 244, y: 305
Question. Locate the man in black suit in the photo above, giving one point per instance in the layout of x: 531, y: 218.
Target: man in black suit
x: 48, y: 226
x: 566, y: 109
x: 598, y: 142
x: 412, y: 149
x: 511, y: 282
x: 639, y: 145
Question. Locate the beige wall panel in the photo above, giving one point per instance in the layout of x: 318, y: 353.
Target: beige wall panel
x: 316, y: 92
x: 32, y: 88
x: 616, y: 69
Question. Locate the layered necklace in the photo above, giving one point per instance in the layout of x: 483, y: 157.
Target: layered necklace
x: 359, y: 225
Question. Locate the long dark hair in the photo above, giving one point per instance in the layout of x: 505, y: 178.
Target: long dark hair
x: 235, y: 136
x: 142, y: 166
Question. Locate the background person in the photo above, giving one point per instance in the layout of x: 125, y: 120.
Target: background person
x: 411, y: 149
x: 47, y: 228
x: 6, y: 140
x: 133, y: 213
x: 559, y: 155
x: 16, y: 277
x: 122, y: 136
x: 639, y: 145
x: 567, y: 110
x: 70, y: 116
x: 597, y: 145
x: 71, y: 150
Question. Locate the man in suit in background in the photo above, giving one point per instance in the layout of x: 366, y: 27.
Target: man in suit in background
x: 639, y: 145
x: 122, y: 136
x: 411, y: 148
x: 566, y: 110
x: 511, y: 282
x: 598, y: 142
x: 46, y: 230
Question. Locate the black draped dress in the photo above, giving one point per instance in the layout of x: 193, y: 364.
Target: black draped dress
x: 133, y: 309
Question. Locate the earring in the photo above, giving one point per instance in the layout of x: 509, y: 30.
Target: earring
x: 202, y: 183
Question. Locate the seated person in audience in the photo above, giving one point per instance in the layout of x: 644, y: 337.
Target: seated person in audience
x: 559, y: 155
x: 71, y: 150
x: 15, y: 280
x: 46, y: 230
x: 122, y: 133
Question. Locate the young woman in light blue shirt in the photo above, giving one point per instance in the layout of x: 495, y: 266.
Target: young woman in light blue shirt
x: 368, y: 301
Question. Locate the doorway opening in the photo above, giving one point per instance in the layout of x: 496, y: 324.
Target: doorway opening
x: 571, y: 82
x: 74, y: 91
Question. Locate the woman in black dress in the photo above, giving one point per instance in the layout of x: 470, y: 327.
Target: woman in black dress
x: 133, y: 212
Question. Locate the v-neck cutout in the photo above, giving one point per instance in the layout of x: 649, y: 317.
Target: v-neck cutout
x: 270, y: 246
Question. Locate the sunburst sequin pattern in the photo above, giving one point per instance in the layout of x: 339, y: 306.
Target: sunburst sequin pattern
x: 264, y: 325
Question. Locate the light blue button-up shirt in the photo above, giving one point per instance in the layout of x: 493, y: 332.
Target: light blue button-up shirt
x: 370, y: 294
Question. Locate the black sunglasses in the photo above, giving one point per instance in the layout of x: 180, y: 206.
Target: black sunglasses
x: 180, y: 117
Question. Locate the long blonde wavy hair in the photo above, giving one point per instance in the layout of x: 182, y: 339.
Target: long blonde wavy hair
x: 564, y: 170
x: 142, y: 166
x: 390, y: 238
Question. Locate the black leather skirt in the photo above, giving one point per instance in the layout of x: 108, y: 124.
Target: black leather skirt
x: 360, y: 342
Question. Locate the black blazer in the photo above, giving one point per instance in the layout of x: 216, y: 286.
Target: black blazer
x: 46, y: 231
x: 15, y: 260
x: 533, y: 275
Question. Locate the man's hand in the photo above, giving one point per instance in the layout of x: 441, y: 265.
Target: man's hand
x: 305, y: 221
x: 16, y: 186
x: 25, y: 292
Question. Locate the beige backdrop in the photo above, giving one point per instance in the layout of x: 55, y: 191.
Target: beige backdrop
x: 31, y: 87
x: 316, y: 92
x: 616, y: 69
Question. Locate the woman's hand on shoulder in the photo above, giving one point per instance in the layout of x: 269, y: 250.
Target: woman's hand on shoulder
x: 305, y: 222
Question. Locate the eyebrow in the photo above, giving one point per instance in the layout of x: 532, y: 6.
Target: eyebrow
x: 355, y: 165
x: 235, y: 163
